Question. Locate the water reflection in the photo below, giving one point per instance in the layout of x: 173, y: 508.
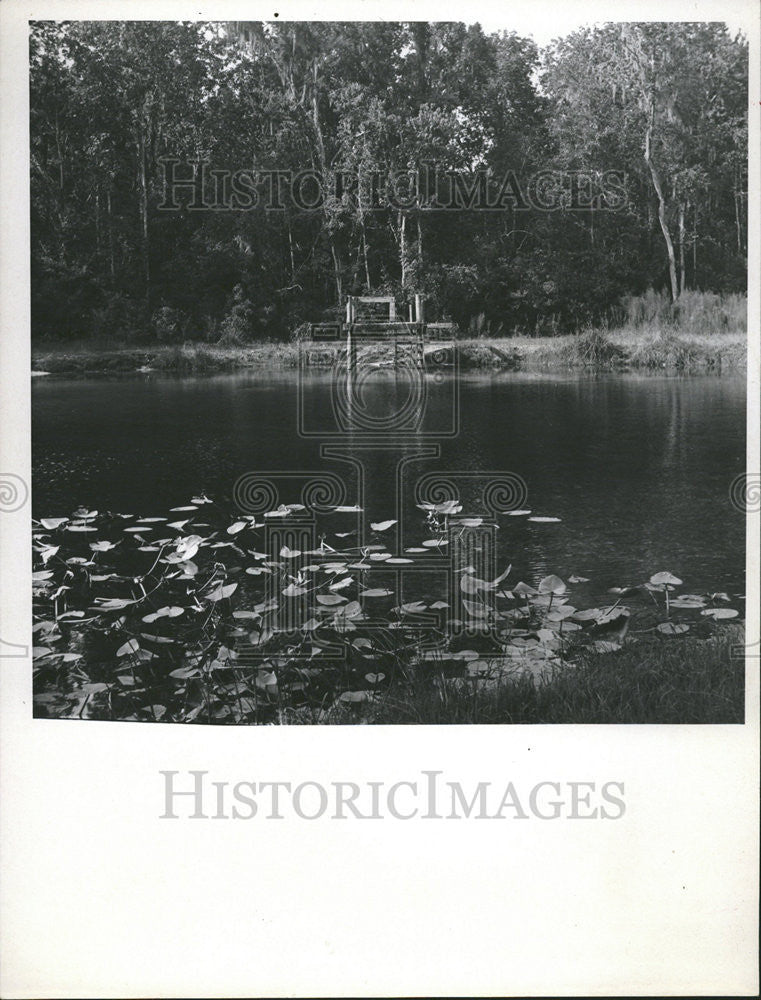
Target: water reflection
x: 638, y: 468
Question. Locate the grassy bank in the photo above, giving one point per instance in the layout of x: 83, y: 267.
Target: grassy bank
x: 703, y: 333
x: 81, y: 358
x: 648, y: 348
x: 654, y: 681
x: 594, y: 350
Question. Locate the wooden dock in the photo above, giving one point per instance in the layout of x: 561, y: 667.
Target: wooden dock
x: 371, y: 320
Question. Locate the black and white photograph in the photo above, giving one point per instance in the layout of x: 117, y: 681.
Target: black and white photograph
x: 388, y: 372
x: 367, y: 372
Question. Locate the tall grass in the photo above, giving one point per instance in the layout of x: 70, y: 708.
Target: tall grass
x: 698, y: 313
x: 193, y: 358
x: 218, y: 357
x: 686, y: 353
x: 592, y: 348
x: 480, y: 327
x: 187, y: 358
x: 651, y: 681
x: 701, y: 331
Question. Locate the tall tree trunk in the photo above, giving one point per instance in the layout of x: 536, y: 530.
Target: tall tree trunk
x: 290, y: 250
x: 322, y: 161
x: 420, y: 250
x: 357, y: 259
x: 97, y: 221
x: 737, y: 221
x: 110, y: 233
x: 361, y: 213
x: 316, y: 121
x: 695, y: 247
x: 364, y: 254
x: 403, y: 246
x: 337, y: 272
x: 661, y: 207
x: 681, y: 249
x: 59, y: 151
x: 143, y: 191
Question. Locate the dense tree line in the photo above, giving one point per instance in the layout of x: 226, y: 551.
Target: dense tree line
x: 616, y: 158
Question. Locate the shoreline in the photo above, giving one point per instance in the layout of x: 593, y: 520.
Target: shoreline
x: 628, y: 349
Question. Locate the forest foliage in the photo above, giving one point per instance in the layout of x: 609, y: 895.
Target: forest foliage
x: 659, y: 108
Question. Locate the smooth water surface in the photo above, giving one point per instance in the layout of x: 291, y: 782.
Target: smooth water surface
x: 637, y: 468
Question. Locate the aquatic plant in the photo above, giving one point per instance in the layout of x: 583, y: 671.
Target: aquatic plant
x: 193, y: 616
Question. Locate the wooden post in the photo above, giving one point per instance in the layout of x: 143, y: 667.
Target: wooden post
x: 351, y: 346
x: 351, y: 351
x: 419, y: 309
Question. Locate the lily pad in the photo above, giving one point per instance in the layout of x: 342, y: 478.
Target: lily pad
x: 665, y: 579
x: 672, y: 628
x: 219, y: 593
x: 131, y: 646
x: 330, y: 599
x: 51, y: 523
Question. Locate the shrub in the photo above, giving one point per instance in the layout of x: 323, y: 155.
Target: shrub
x: 238, y: 325
x: 169, y: 324
x: 594, y: 348
x: 123, y: 318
